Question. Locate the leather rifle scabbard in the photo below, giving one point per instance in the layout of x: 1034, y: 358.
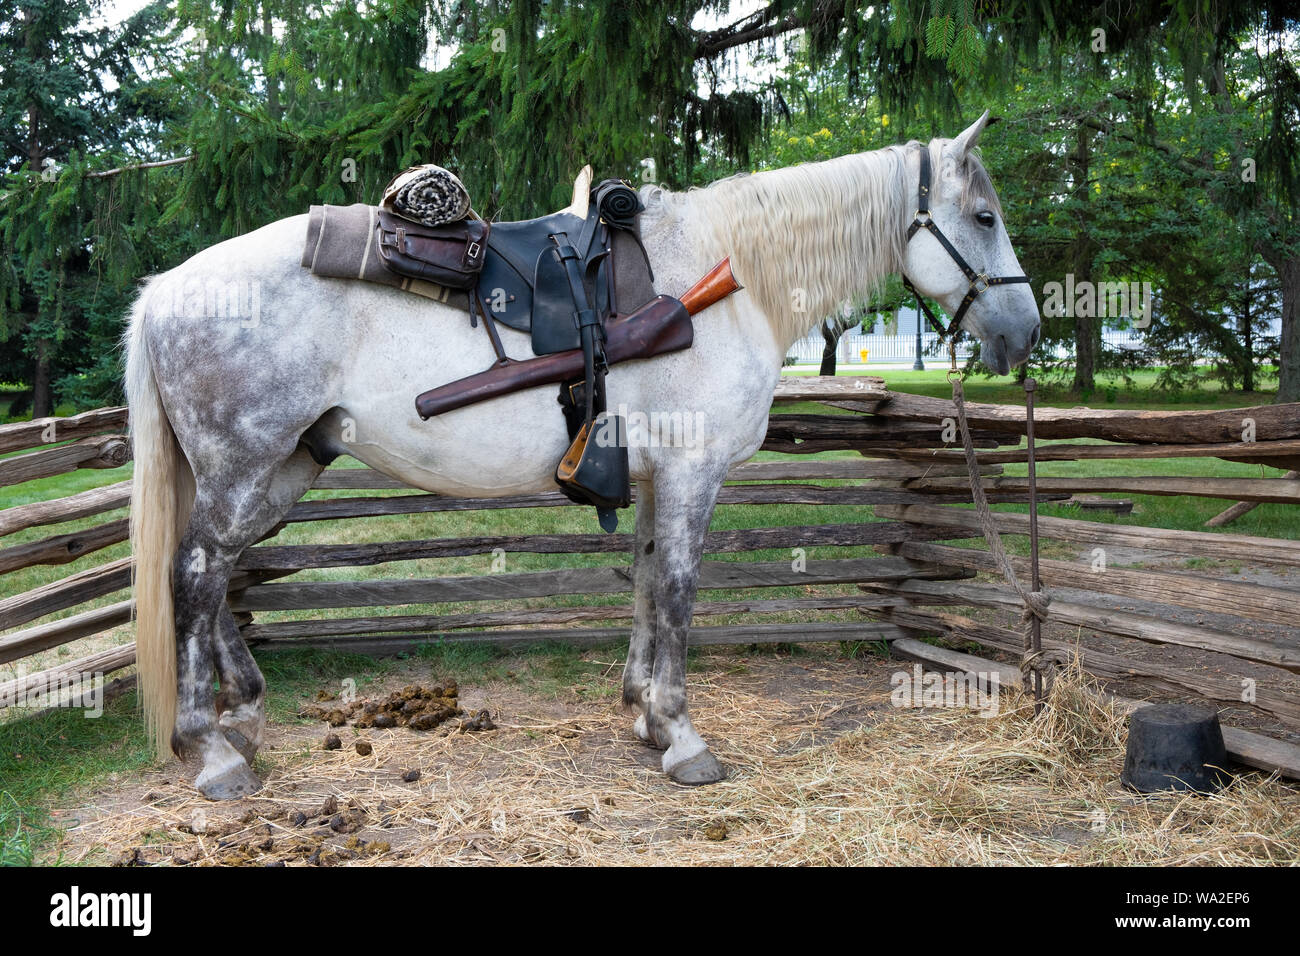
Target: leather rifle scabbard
x: 660, y: 326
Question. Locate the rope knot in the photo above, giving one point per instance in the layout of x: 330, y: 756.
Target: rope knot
x: 1036, y: 604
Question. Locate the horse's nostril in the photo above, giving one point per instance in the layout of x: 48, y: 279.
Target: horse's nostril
x: 1033, y: 336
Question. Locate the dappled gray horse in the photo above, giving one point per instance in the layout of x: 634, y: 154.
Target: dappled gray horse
x: 226, y: 404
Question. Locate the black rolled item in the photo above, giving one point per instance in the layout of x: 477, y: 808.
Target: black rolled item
x: 618, y: 203
x: 1175, y: 747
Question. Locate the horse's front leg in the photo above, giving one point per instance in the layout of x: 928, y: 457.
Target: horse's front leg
x: 684, y: 500
x: 641, y: 649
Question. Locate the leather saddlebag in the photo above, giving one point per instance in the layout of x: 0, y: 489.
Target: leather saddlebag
x: 451, y: 255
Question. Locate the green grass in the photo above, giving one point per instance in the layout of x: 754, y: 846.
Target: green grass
x: 22, y: 831
x: 45, y: 758
x: 1110, y: 392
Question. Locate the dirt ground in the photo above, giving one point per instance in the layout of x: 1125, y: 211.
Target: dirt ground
x: 823, y: 769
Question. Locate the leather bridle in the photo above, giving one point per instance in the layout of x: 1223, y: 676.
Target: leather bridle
x: 979, y: 281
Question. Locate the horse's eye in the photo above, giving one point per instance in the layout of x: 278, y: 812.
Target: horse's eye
x: 986, y: 219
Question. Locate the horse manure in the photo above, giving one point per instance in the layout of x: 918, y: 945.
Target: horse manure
x: 332, y: 742
x: 411, y: 776
x: 579, y: 815
x: 480, y: 721
x: 716, y: 831
x: 364, y: 748
x: 330, y: 806
x: 414, y: 706
x: 367, y: 848
x: 299, y: 818
x: 323, y: 695
x: 349, y: 821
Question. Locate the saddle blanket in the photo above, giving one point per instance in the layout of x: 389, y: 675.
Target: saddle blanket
x: 342, y: 243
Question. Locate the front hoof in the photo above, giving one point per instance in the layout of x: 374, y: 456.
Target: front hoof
x: 235, y: 783
x: 697, y: 771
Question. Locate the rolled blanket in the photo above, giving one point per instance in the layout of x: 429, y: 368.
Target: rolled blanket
x: 619, y: 203
x: 341, y: 244
x: 427, y: 194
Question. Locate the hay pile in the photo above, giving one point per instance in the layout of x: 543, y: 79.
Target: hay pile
x: 822, y: 771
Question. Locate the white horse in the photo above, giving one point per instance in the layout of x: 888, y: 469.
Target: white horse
x: 227, y: 400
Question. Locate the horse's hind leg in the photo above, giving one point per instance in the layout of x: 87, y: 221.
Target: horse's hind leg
x: 684, y: 503
x: 200, y: 576
x: 641, y: 649
x: 241, y: 706
x: 228, y: 516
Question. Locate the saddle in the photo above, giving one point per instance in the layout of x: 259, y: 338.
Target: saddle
x: 558, y: 278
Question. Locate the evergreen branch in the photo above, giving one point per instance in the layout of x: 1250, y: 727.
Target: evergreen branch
x: 757, y: 26
x: 105, y: 173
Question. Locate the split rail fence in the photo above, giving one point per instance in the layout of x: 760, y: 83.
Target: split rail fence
x: 904, y: 577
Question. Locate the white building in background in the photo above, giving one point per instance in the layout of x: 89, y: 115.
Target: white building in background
x: 882, y: 348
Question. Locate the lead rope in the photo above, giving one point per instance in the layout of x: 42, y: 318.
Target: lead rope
x: 1036, y: 603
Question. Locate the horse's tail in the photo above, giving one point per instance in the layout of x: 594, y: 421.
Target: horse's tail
x: 162, y: 493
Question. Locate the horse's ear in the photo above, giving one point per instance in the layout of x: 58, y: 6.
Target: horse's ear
x: 959, y: 148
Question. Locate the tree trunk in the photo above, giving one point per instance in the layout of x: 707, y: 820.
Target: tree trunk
x: 832, y: 339
x: 1248, y: 336
x: 1288, y: 386
x: 42, y: 398
x: 1087, y: 331
x: 272, y: 83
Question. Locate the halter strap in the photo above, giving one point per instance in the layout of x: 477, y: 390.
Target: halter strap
x: 979, y: 281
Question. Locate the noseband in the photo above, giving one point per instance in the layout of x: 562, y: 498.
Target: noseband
x: 979, y: 281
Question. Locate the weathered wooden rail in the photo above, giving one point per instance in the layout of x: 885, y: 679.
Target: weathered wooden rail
x: 899, y: 574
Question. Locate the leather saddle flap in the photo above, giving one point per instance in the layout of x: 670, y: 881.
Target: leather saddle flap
x: 524, y: 284
x: 554, y: 328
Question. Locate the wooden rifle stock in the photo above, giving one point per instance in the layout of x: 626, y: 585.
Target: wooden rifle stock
x: 660, y: 326
x: 714, y: 287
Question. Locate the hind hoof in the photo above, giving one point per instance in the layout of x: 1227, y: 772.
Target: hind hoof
x: 641, y: 728
x: 698, y: 771
x: 247, y: 749
x: 237, y: 782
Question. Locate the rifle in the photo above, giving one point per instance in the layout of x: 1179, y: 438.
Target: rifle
x: 660, y: 326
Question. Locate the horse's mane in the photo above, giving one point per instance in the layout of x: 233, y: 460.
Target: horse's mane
x: 805, y: 240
